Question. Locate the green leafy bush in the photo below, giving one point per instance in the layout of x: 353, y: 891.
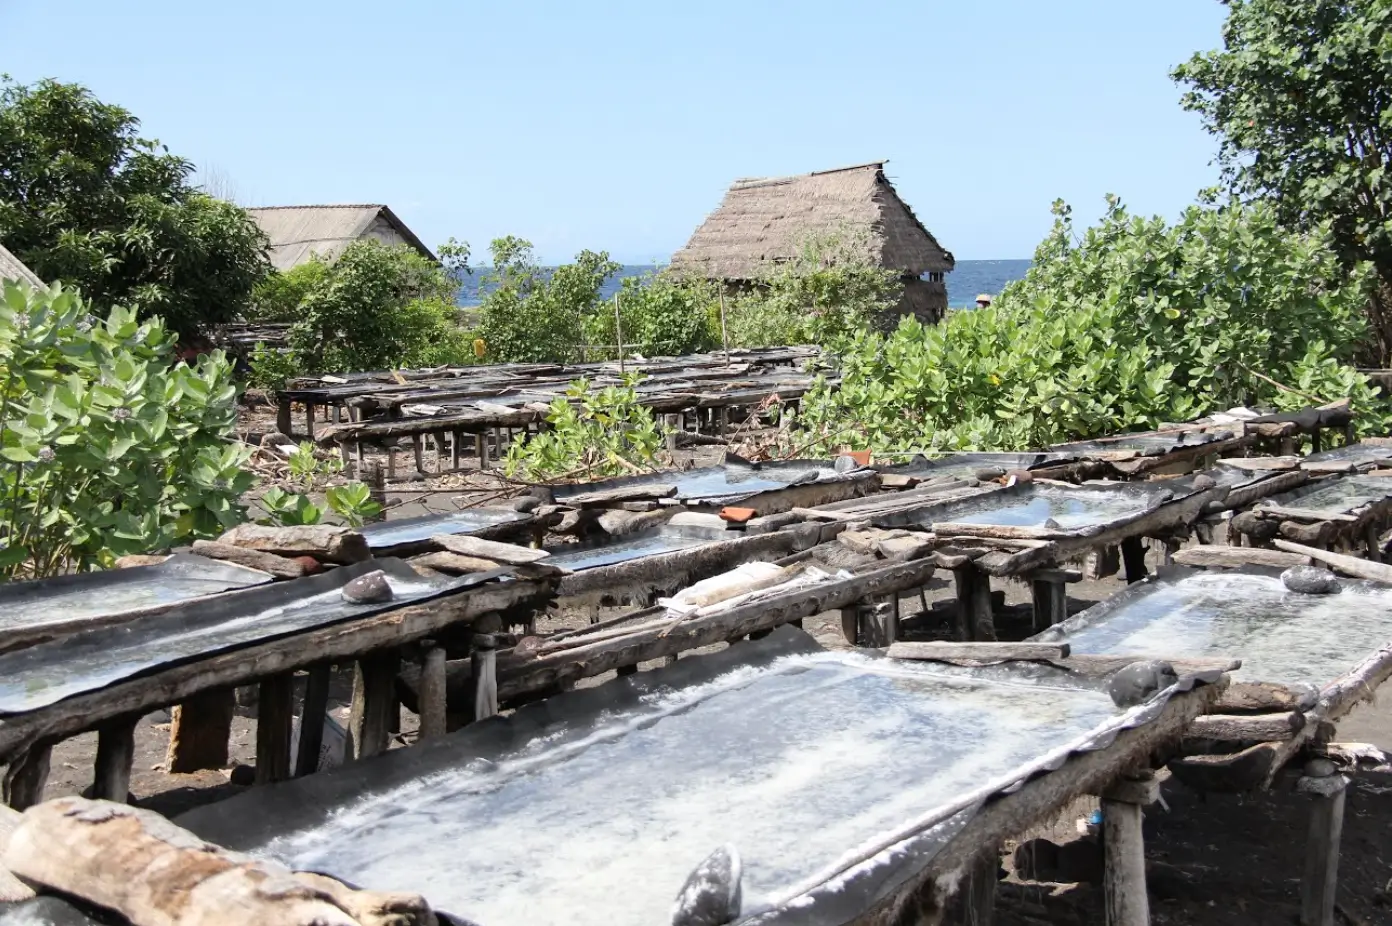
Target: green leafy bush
x: 277, y: 298
x: 829, y: 291
x: 1130, y: 325
x: 590, y: 435
x: 85, y: 200
x: 352, y: 503
x: 271, y: 369
x: 377, y: 307
x: 660, y: 315
x: 530, y: 315
x: 107, y: 446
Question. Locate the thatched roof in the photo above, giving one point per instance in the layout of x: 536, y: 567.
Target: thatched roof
x: 762, y: 223
x: 12, y: 268
x: 299, y: 232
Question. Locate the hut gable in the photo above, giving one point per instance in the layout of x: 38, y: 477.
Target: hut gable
x: 12, y: 268
x: 299, y: 232
x: 761, y: 223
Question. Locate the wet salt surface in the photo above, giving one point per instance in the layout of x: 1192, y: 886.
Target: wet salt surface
x: 1359, y: 454
x: 1071, y: 509
x: 413, y: 530
x: 93, y: 595
x: 1280, y: 635
x: 1338, y: 495
x: 44, y: 674
x: 796, y: 764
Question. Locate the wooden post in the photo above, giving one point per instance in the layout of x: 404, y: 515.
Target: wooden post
x: 115, y: 753
x: 674, y: 424
x: 309, y: 419
x: 1317, y: 439
x: 1321, y: 882
x: 975, y: 619
x: 374, y: 694
x: 285, y: 422
x: 618, y: 333
x: 1050, y: 602
x: 455, y: 438
x: 27, y: 776
x: 975, y: 903
x: 416, y: 453
x: 481, y: 450
x: 431, y: 694
x: 850, y: 624
x: 199, y: 730
x: 316, y: 705
x: 485, y: 671
x: 1372, y: 548
x: 1124, y: 881
x: 881, y: 628
x: 724, y: 335
x: 377, y: 482
x: 1133, y: 555
x: 275, y: 711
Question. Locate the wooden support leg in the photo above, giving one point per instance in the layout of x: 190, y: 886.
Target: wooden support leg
x: 1317, y: 890
x: 975, y: 620
x: 374, y: 695
x: 1133, y: 555
x: 1050, y: 603
x: 338, y: 414
x: 850, y: 624
x: 1317, y: 440
x: 456, y: 438
x: 975, y: 903
x: 1372, y: 549
x: 432, y: 697
x: 391, y: 464
x: 27, y: 776
x: 481, y: 450
x: 485, y: 671
x: 199, y: 730
x: 881, y: 627
x: 316, y: 706
x: 416, y: 453
x: 275, y: 714
x: 115, y: 753
x: 309, y: 421
x: 285, y: 422
x: 1124, y: 881
x: 673, y: 426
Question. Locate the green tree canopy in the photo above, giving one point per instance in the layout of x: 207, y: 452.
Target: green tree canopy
x: 1301, y: 98
x: 85, y: 200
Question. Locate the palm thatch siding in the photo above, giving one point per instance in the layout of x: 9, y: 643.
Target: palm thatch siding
x: 762, y: 223
x: 12, y: 268
x: 299, y: 232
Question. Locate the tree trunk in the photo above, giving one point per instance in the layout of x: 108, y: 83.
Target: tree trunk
x: 1380, y: 316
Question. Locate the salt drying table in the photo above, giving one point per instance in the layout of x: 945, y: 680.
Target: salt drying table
x: 107, y: 677
x: 1347, y: 511
x: 1027, y: 530
x: 1306, y: 659
x: 1370, y: 453
x: 849, y: 784
x: 767, y: 488
x: 637, y: 567
x: 408, y: 536
x: 1179, y: 448
x: 46, y: 608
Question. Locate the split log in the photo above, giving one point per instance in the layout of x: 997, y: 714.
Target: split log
x: 374, y: 698
x: 507, y: 553
x: 154, y: 873
x: 620, y: 494
x: 1264, y: 463
x: 198, y: 731
x: 1260, y: 728
x: 278, y: 566
x: 1304, y: 514
x: 321, y: 541
x: 1340, y: 562
x: 983, y: 652
x: 1248, y: 770
x: 1254, y: 697
x: 1320, y: 533
x: 1238, y: 556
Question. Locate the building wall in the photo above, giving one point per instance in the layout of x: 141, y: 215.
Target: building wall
x: 926, y: 299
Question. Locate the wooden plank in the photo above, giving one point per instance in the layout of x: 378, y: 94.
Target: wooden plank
x: 507, y: 553
x: 316, y: 706
x: 198, y: 731
x: 374, y: 696
x: 279, y: 566
x: 1319, y: 887
x: 1304, y: 514
x: 1202, y: 556
x: 1124, y: 881
x: 275, y: 714
x: 985, y: 651
x: 115, y: 754
x: 1250, y: 697
x: 431, y: 696
x: 322, y: 541
x: 1348, y: 565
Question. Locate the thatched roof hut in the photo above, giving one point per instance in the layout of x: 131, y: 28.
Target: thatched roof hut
x: 762, y: 223
x: 12, y: 268
x: 299, y: 232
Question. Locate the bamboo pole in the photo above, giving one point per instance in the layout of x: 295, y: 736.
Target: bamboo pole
x: 724, y: 335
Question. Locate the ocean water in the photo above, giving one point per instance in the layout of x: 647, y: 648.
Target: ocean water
x: 971, y: 278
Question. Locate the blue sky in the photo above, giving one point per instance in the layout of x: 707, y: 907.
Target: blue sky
x: 617, y: 126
